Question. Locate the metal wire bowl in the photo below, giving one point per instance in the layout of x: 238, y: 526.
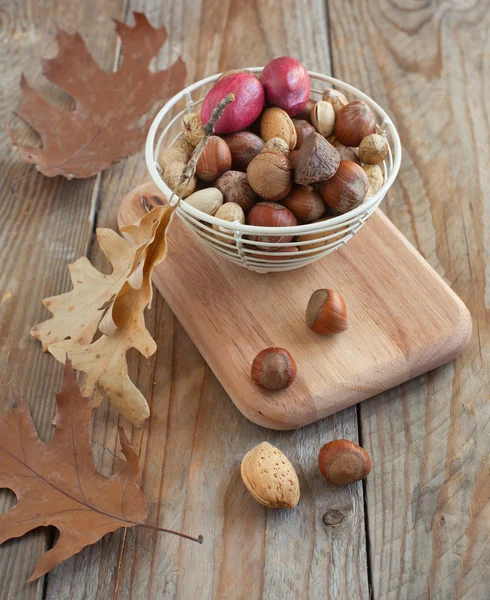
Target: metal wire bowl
x: 232, y: 239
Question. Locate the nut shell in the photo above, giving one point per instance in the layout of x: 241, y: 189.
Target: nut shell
x: 336, y: 99
x: 303, y: 130
x: 244, y: 147
x: 276, y: 145
x: 214, y: 160
x: 270, y: 477
x: 172, y: 174
x: 343, y: 462
x: 375, y: 177
x: 373, y: 149
x: 207, y: 200
x: 305, y: 114
x: 270, y: 176
x: 347, y: 189
x: 271, y: 214
x: 326, y: 313
x: 354, y: 122
x: 346, y: 152
x: 276, y: 122
x: 235, y: 188
x: 228, y: 212
x: 192, y: 129
x: 305, y: 204
x: 316, y: 160
x: 323, y: 118
x: 273, y: 369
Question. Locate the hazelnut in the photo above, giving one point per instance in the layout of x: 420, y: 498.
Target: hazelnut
x: 303, y: 130
x: 276, y: 122
x: 271, y: 214
x: 270, y: 176
x: 192, y: 129
x: 276, y: 145
x: 270, y: 477
x: 305, y: 114
x: 214, y: 160
x: 228, y: 212
x: 244, y: 146
x: 346, y: 153
x: 373, y: 149
x: 312, y: 237
x: 316, y: 160
x: 273, y: 369
x: 326, y: 313
x: 347, y: 189
x: 343, y: 462
x: 305, y: 204
x: 235, y: 188
x: 375, y: 177
x: 207, y: 200
x: 336, y: 99
x: 323, y: 118
x: 354, y: 122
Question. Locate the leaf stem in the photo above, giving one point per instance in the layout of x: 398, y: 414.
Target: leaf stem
x: 199, y: 539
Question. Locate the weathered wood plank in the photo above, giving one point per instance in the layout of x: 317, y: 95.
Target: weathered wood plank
x: 191, y: 448
x: 45, y: 224
x: 428, y: 498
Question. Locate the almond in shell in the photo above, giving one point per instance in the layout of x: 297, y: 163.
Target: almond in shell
x: 270, y: 477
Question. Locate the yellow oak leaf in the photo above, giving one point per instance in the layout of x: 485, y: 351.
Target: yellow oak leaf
x: 77, y: 313
x: 104, y: 361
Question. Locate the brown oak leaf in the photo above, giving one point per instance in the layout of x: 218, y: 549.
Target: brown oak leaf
x: 56, y: 483
x: 103, y: 127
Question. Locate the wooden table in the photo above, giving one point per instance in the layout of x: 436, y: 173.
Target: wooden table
x: 420, y: 525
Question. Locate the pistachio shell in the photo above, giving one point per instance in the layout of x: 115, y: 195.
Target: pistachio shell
x: 270, y: 477
x: 207, y: 200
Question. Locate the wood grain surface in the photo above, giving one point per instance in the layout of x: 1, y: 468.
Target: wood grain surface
x: 428, y: 496
x: 404, y: 320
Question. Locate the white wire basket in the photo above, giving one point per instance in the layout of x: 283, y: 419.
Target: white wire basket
x: 231, y: 240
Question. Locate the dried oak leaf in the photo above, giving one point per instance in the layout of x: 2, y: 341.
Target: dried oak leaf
x: 56, y: 483
x: 103, y: 127
x: 104, y: 361
x: 77, y: 313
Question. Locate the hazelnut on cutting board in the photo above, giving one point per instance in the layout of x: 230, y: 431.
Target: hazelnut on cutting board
x: 326, y: 312
x: 273, y: 369
x: 270, y: 477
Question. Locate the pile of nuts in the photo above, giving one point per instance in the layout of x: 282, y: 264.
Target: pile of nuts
x: 279, y: 158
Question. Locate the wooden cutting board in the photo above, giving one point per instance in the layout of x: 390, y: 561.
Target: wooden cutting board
x: 404, y: 319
